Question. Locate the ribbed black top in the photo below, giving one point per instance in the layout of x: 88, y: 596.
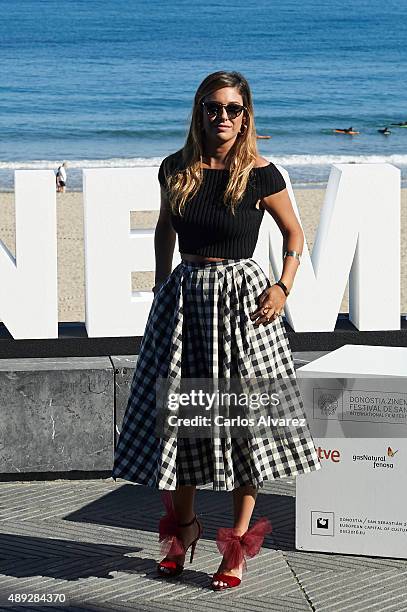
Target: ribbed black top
x: 207, y: 227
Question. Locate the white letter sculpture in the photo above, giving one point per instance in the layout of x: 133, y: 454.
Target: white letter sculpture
x: 28, y: 282
x: 358, y: 239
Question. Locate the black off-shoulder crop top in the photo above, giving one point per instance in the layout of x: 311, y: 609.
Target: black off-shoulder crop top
x: 208, y: 227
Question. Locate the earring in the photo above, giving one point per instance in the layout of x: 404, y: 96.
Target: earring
x: 242, y: 129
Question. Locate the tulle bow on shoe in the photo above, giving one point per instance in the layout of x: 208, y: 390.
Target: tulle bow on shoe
x: 236, y: 548
x: 170, y: 543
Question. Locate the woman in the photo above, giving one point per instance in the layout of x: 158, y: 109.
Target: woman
x: 216, y: 315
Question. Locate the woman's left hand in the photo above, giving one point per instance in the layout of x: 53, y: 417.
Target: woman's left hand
x: 271, y: 305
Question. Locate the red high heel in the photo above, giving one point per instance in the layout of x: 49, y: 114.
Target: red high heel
x: 235, y: 549
x: 171, y: 543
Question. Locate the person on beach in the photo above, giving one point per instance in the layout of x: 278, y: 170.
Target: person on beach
x: 61, y: 177
x: 215, y: 316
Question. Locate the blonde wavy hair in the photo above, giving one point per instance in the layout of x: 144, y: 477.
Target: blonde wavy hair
x: 185, y: 183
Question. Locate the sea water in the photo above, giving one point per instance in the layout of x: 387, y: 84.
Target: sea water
x: 111, y: 83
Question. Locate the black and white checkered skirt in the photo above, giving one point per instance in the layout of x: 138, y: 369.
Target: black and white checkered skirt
x: 199, y: 326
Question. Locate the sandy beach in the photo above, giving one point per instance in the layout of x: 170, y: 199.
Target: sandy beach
x: 71, y: 306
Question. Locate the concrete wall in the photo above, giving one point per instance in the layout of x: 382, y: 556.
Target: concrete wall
x: 64, y: 414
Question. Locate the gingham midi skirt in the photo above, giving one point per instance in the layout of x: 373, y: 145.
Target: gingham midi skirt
x: 199, y: 326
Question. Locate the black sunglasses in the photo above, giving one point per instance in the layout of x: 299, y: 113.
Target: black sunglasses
x: 214, y: 109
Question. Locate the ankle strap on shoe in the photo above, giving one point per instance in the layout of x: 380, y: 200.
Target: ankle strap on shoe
x: 187, y: 524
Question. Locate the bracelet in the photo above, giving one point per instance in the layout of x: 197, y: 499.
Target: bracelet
x: 294, y: 254
x: 283, y: 287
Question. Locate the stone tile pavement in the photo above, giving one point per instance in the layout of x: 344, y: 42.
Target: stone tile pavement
x: 95, y: 542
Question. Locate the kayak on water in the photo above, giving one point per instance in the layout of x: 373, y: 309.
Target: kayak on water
x: 346, y: 131
x: 404, y: 124
x: 258, y: 136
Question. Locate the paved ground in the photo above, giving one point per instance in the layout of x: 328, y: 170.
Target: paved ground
x: 96, y: 542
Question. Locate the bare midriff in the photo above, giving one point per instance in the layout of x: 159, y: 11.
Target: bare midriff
x: 199, y: 258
